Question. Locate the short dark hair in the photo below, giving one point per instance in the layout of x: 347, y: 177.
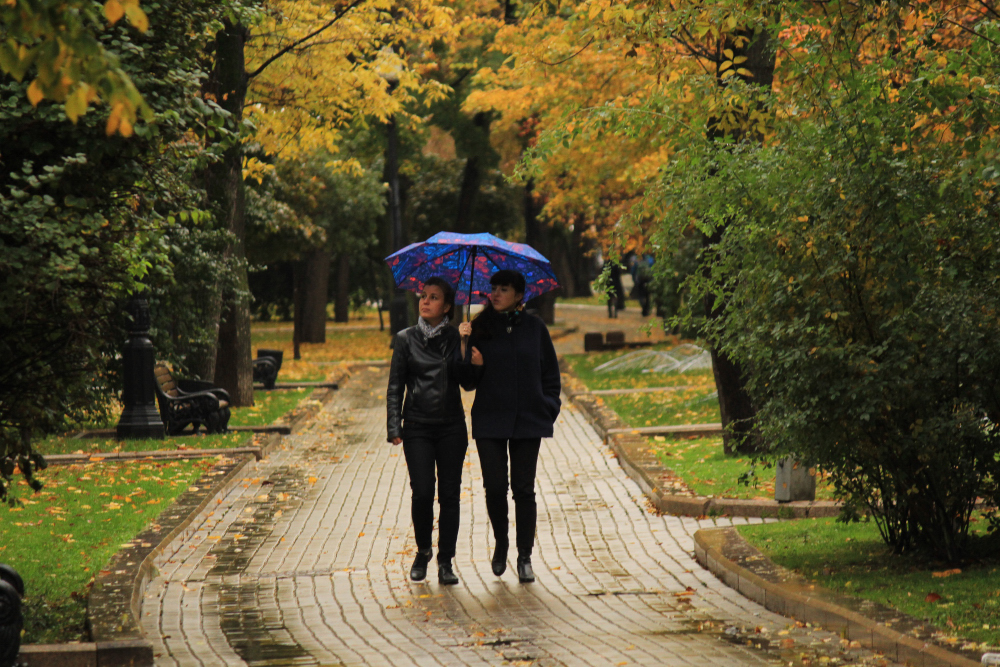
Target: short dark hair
x: 508, y: 278
x: 446, y: 289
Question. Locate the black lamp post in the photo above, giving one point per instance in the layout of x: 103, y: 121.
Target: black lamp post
x: 398, y: 308
x: 140, y: 418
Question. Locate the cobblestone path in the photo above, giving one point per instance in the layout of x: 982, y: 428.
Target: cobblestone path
x: 306, y: 563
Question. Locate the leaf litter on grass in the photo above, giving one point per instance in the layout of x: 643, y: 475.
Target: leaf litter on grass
x: 60, y: 537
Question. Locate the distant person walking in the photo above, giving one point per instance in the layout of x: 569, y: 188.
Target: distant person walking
x: 516, y: 377
x: 616, y: 295
x: 430, y: 424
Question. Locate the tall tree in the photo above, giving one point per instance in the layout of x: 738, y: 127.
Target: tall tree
x: 334, y: 56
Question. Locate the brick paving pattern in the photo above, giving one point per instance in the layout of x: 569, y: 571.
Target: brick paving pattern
x: 306, y: 562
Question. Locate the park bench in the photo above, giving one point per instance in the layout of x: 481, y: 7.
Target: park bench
x: 266, y: 367
x: 193, y: 402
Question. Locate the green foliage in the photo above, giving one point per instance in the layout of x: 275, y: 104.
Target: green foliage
x: 314, y: 204
x: 59, y: 46
x: 859, y: 275
x: 84, y: 219
x: 432, y: 199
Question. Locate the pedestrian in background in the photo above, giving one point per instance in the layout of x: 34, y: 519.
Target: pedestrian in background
x: 425, y: 415
x: 516, y: 377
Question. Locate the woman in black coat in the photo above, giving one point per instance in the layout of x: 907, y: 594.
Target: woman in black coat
x: 516, y: 377
x: 430, y: 424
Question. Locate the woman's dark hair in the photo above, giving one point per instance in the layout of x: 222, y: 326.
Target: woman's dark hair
x: 503, y: 278
x: 508, y: 278
x: 446, y: 289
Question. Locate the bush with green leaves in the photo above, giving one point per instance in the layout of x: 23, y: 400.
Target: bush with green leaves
x: 85, y: 219
x: 860, y: 277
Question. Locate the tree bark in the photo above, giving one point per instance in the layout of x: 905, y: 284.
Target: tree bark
x: 579, y: 261
x: 736, y: 409
x: 472, y: 174
x: 342, y: 304
x: 228, y: 85
x: 471, y: 177
x: 314, y: 289
x: 201, y: 359
x: 535, y: 236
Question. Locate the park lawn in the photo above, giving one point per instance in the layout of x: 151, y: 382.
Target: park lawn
x: 320, y: 361
x: 61, y: 536
x: 853, y: 559
x: 698, y: 405
x: 700, y: 462
x: 707, y: 471
x: 269, y: 407
x: 592, y: 300
x: 584, y: 364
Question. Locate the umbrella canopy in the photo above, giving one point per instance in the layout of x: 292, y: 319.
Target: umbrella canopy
x: 467, y: 261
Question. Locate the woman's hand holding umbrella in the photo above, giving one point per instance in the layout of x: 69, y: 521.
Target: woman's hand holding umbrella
x: 465, y: 330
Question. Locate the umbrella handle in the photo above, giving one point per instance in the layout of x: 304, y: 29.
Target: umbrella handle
x: 472, y: 275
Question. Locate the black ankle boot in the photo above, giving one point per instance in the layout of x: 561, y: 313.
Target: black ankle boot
x: 524, y: 572
x: 446, y: 575
x: 419, y: 570
x: 500, y: 558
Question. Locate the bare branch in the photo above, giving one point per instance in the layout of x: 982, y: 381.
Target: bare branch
x: 297, y: 43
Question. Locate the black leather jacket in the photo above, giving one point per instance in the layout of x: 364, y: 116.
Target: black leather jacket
x: 428, y: 370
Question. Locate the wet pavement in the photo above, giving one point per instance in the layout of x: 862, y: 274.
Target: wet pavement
x: 306, y: 561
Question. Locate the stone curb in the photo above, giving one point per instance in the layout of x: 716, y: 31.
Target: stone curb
x: 645, y: 469
x: 114, y: 603
x: 788, y: 594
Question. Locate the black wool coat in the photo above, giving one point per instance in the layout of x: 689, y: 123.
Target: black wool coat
x: 518, y: 385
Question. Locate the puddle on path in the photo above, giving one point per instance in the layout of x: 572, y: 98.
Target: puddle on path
x: 248, y: 612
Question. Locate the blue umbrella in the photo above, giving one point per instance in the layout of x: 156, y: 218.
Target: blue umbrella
x: 467, y: 261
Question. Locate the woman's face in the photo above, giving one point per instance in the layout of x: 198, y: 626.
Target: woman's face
x: 432, y: 305
x: 504, y: 297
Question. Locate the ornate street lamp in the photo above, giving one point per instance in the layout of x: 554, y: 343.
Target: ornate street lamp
x: 140, y: 417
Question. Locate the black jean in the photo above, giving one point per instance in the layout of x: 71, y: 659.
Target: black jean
x: 523, y: 463
x: 426, y: 447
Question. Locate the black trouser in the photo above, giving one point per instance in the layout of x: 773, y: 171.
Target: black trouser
x: 426, y: 446
x: 523, y: 462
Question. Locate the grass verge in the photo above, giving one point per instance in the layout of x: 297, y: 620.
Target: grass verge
x: 268, y: 407
x: 964, y: 603
x: 60, y: 537
x: 697, y: 405
x: 319, y: 360
x: 584, y: 364
x: 704, y: 467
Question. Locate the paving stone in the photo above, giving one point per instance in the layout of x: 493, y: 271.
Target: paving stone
x: 306, y: 561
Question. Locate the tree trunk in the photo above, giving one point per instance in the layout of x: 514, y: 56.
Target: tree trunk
x: 342, y: 304
x: 579, y: 260
x: 737, y: 411
x: 313, y: 289
x: 535, y: 236
x: 471, y: 178
x: 201, y: 358
x: 228, y: 85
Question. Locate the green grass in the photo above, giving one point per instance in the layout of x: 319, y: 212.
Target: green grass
x: 667, y: 408
x: 61, y: 536
x: 854, y: 560
x: 592, y: 300
x: 707, y: 471
x: 700, y: 462
x: 268, y: 407
x: 584, y: 364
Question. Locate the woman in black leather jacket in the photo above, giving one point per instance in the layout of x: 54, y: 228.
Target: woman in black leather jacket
x: 430, y: 423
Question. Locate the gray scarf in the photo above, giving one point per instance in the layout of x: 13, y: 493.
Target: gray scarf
x: 428, y: 331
